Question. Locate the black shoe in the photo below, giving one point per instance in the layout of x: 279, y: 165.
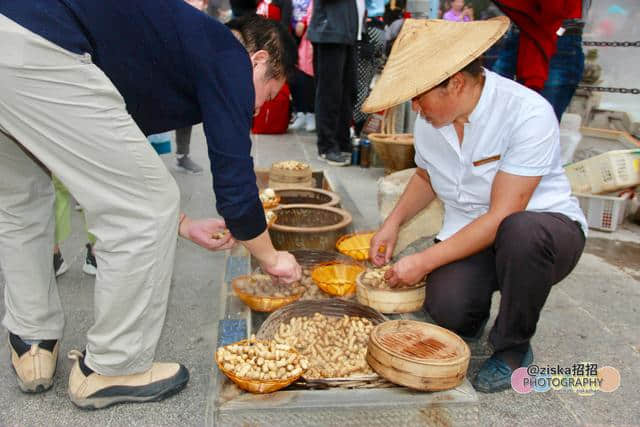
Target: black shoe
x: 59, y: 266
x: 338, y: 159
x: 90, y: 266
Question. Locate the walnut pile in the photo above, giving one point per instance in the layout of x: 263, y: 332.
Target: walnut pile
x: 267, y: 195
x: 335, y: 347
x: 258, y: 360
x: 291, y: 165
x: 374, y: 277
x: 262, y: 285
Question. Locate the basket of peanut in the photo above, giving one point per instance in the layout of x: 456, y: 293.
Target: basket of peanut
x: 331, y: 334
x: 336, y: 278
x: 290, y: 173
x: 373, y: 290
x: 261, y: 293
x: 260, y: 366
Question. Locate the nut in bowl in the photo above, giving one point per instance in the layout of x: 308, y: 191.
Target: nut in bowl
x: 269, y: 198
x: 270, y: 217
x: 261, y: 293
x: 374, y: 291
x: 355, y: 245
x: 336, y: 278
x: 260, y: 366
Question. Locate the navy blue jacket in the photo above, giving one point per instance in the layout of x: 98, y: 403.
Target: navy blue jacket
x: 174, y: 66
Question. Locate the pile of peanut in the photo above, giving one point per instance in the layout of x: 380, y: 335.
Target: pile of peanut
x: 257, y: 360
x: 267, y: 195
x: 335, y: 347
x: 374, y: 277
x: 291, y: 165
x: 262, y: 285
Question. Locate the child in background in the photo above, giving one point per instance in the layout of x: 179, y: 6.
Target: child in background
x: 302, y: 84
x: 458, y: 12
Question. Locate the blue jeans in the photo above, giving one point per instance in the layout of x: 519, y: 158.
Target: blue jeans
x: 565, y: 68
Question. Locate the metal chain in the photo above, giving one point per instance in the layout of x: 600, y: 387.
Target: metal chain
x: 632, y: 91
x: 611, y: 44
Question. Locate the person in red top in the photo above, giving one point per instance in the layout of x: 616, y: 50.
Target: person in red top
x: 543, y: 50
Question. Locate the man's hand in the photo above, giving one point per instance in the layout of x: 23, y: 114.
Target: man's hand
x: 383, y: 243
x: 284, y: 267
x: 208, y: 233
x: 406, y: 272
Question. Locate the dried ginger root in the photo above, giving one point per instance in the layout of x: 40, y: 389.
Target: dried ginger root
x: 335, y: 347
x: 257, y: 360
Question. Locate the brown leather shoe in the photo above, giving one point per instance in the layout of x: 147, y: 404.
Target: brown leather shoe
x: 90, y: 390
x: 34, y: 364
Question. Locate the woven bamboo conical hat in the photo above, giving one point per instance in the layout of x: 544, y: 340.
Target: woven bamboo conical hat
x: 428, y: 51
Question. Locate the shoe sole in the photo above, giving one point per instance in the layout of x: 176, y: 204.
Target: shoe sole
x: 187, y: 171
x: 92, y: 403
x: 63, y: 269
x: 33, y: 387
x: 89, y: 269
x: 332, y: 163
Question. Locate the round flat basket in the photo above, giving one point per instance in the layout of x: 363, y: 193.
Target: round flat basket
x: 336, y: 278
x: 307, y: 196
x: 418, y: 355
x: 256, y: 386
x: 397, y: 300
x: 355, y: 245
x: 264, y: 304
x: 395, y: 150
x: 327, y: 307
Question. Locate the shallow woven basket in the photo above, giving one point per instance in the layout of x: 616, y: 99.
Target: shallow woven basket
x: 256, y: 386
x: 271, y: 203
x: 336, y: 278
x: 418, y: 355
x: 264, y: 304
x: 327, y: 307
x: 397, y: 300
x: 395, y: 150
x: 355, y: 245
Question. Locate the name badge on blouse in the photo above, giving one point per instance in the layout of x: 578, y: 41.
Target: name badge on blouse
x: 487, y: 160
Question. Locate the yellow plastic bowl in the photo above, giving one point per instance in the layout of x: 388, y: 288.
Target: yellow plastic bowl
x: 336, y: 278
x: 355, y: 245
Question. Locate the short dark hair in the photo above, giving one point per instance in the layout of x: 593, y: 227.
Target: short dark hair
x: 474, y: 68
x: 259, y: 33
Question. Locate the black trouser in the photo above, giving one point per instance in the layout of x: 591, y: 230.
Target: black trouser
x: 334, y: 67
x: 532, y: 252
x: 302, y: 92
x: 183, y: 139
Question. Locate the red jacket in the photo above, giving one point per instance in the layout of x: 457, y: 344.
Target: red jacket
x: 538, y: 21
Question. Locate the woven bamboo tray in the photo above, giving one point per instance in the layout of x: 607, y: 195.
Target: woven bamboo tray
x: 418, y: 355
x: 265, y: 304
x: 286, y: 178
x: 307, y: 196
x: 256, y: 386
x: 336, y: 278
x: 395, y: 150
x: 331, y: 307
x: 398, y: 300
x: 308, y: 227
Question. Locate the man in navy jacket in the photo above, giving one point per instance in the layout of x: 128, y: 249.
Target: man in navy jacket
x: 81, y: 84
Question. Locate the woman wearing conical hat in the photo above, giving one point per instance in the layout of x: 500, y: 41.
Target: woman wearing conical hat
x: 489, y: 149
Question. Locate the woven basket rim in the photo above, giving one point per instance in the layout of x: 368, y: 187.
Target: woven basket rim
x: 392, y: 138
x: 345, y: 221
x: 390, y: 290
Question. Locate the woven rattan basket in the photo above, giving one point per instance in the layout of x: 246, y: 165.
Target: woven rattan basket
x: 395, y: 150
x: 418, y: 355
x: 264, y: 304
x: 398, y: 300
x: 336, y: 278
x: 256, y: 386
x: 330, y: 307
x: 307, y: 196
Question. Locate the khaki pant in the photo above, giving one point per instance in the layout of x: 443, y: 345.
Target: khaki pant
x: 64, y: 110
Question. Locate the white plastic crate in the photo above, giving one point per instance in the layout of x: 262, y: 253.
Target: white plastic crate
x: 606, y: 172
x: 604, y: 213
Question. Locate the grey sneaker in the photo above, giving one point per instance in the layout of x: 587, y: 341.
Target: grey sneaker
x: 186, y: 165
x: 59, y: 266
x: 338, y: 159
x: 90, y: 265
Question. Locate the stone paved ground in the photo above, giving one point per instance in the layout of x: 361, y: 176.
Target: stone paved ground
x: 591, y: 316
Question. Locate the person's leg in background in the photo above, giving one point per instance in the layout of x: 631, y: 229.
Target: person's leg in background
x: 131, y: 204
x: 183, y: 161
x: 63, y: 224
x: 297, y: 86
x: 343, y: 132
x: 565, y: 72
x: 329, y: 65
x: 507, y: 51
x: 34, y: 315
